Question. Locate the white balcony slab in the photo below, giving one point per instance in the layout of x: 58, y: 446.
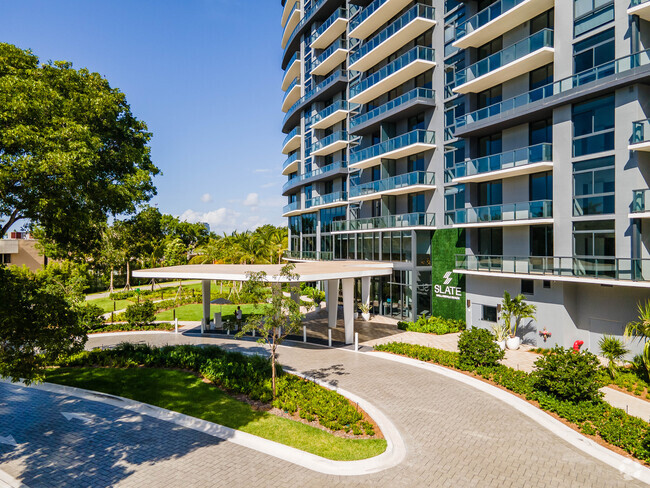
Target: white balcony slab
x: 518, y: 67
x: 526, y: 169
x: 286, y: 11
x: 332, y: 61
x: 402, y: 152
x: 642, y: 10
x: 292, y: 144
x: 291, y: 97
x: 640, y: 146
x: 330, y: 148
x: 504, y: 223
x: 291, y: 168
x: 291, y: 74
x: 395, y: 191
x: 290, y: 26
x: 330, y: 34
x: 505, y: 22
x: 379, y: 17
x: 331, y: 119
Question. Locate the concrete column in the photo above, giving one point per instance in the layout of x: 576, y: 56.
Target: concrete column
x: 365, y: 290
x: 206, y: 304
x: 348, y: 309
x: 332, y: 302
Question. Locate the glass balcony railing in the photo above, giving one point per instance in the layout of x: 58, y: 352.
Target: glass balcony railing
x: 640, y: 131
x: 339, y: 13
x: 337, y: 196
x: 293, y: 9
x: 293, y: 206
x: 408, y: 139
x: 291, y: 159
x: 293, y: 59
x: 539, y: 153
x: 415, y: 54
x: 295, y: 132
x: 579, y: 267
x: 312, y: 93
x: 393, y: 183
x: 340, y: 135
x: 634, y: 3
x: 366, y: 12
x: 327, y: 111
x: 484, y: 16
x: 620, y: 65
x: 539, y: 40
x: 419, y: 10
x: 310, y: 174
x: 386, y: 222
x: 291, y: 87
x: 506, y: 212
x: 640, y: 201
x: 417, y: 93
x: 304, y: 21
x: 309, y: 255
x: 340, y: 44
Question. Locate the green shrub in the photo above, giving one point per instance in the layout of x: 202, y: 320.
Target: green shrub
x: 433, y: 325
x: 429, y: 354
x: 477, y: 348
x: 140, y: 314
x: 91, y: 317
x: 569, y: 375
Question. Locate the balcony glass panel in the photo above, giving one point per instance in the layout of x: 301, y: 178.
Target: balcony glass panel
x: 543, y: 38
x: 512, y: 159
x: 326, y: 112
x: 640, y: 131
x: 340, y: 13
x: 338, y: 196
x: 421, y: 93
x: 507, y: 212
x: 311, y: 93
x: 408, y: 139
x: 386, y: 222
x: 423, y: 11
x: 366, y: 12
x: 340, y: 44
x: 620, y: 65
x: 597, y: 267
x: 417, y: 53
x: 340, y: 135
x: 484, y: 16
x: 309, y: 255
x: 640, y: 201
x: 291, y: 207
x: 291, y: 135
x: 393, y: 183
x: 318, y: 171
x: 294, y: 157
x: 291, y: 86
x: 306, y: 18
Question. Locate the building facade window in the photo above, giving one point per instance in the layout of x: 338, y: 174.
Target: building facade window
x: 593, y: 126
x: 594, y: 239
x: 490, y: 241
x: 590, y: 14
x: 593, y: 186
x: 540, y: 186
x: 541, y: 240
x: 540, y: 131
x: 595, y: 51
x: 489, y: 313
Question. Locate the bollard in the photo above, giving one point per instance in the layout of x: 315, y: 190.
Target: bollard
x: 329, y: 337
x: 175, y: 326
x: 356, y: 342
x: 304, y: 333
x: 228, y: 331
x: 253, y: 332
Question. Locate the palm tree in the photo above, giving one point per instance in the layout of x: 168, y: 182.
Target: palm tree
x: 614, y: 350
x: 640, y: 329
x: 516, y: 308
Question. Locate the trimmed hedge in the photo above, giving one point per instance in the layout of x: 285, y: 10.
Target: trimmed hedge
x: 122, y: 327
x: 433, y: 325
x: 238, y: 373
x: 596, y: 417
x: 478, y: 349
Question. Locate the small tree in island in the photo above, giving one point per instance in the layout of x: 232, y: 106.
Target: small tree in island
x: 278, y: 318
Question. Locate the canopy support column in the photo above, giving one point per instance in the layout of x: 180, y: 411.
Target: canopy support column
x: 348, y: 309
x: 365, y: 290
x: 206, y: 305
x: 332, y: 302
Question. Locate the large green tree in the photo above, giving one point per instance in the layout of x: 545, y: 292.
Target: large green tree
x: 71, y: 151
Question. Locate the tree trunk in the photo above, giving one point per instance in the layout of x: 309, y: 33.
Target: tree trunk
x: 110, y: 286
x: 273, y: 365
x: 128, y: 276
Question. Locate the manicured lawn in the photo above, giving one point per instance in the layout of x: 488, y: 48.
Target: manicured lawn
x: 185, y: 393
x: 195, y: 312
x: 106, y: 304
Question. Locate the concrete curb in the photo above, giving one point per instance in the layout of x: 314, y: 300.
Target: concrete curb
x: 8, y: 481
x: 394, y: 454
x: 625, y: 466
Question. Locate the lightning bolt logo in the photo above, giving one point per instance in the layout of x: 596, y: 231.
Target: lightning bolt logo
x: 447, y: 277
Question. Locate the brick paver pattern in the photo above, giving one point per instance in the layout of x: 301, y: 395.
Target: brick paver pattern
x: 455, y: 436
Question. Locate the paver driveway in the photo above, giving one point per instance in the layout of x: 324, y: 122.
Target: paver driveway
x: 455, y: 436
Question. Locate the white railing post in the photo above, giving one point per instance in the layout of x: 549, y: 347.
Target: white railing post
x: 304, y: 333
x: 329, y: 337
x: 176, y: 325
x: 356, y: 342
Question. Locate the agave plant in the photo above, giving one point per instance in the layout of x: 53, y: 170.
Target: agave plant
x: 640, y: 329
x: 500, y: 331
x: 516, y: 308
x: 614, y: 350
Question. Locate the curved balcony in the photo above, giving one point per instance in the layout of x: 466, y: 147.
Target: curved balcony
x: 409, y: 26
x: 399, y: 107
x: 292, y: 95
x: 497, y: 19
x: 329, y: 86
x: 399, y: 147
x: 506, y: 214
x: 515, y: 60
x: 291, y: 164
x: 329, y: 116
x: 291, y: 209
x: 409, y: 65
x: 292, y: 22
x: 316, y: 175
x: 640, y: 8
x: 330, y: 144
x: 640, y: 140
x: 524, y: 161
x: 375, y: 15
x: 335, y: 199
x: 292, y: 72
x: 287, y: 10
x: 640, y: 204
x: 330, y: 58
x: 636, y: 272
x: 395, y: 185
x: 329, y: 30
x: 387, y: 222
x: 292, y: 141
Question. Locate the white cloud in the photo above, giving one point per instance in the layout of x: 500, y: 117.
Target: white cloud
x: 221, y: 219
x: 268, y: 185
x: 252, y: 200
x: 206, y: 198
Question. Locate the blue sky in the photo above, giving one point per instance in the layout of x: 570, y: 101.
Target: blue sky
x: 203, y: 74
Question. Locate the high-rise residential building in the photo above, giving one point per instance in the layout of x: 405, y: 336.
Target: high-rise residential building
x: 480, y: 146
